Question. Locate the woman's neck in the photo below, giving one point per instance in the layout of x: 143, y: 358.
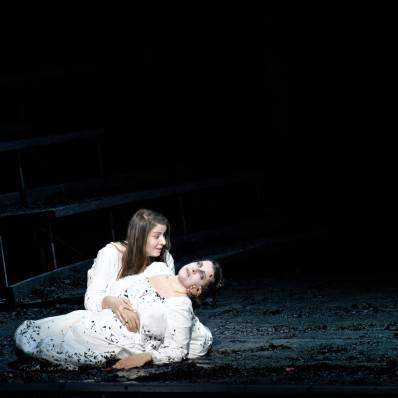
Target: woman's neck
x: 168, y: 286
x: 176, y: 285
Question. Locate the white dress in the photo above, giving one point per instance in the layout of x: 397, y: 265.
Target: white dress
x: 101, y: 278
x: 103, y: 274
x: 86, y: 338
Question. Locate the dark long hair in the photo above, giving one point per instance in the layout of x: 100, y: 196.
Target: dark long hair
x: 134, y: 259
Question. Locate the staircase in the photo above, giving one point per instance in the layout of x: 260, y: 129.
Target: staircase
x: 69, y: 186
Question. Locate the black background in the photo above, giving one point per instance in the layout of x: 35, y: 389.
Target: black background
x: 261, y: 95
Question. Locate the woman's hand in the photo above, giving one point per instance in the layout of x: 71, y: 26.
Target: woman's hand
x: 123, y: 310
x: 133, y: 320
x: 133, y: 361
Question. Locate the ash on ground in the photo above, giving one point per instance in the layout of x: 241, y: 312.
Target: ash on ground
x: 288, y: 329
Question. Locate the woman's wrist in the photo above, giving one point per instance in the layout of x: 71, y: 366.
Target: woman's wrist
x: 106, y: 302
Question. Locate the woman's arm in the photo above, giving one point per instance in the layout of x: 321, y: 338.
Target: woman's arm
x: 133, y: 361
x: 201, y: 339
x: 99, y: 275
x: 124, y: 311
x: 105, y: 269
x: 178, y: 318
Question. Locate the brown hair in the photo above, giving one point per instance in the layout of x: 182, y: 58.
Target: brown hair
x: 134, y: 259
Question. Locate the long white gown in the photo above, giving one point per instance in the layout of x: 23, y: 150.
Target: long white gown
x: 102, y: 276
x: 86, y: 338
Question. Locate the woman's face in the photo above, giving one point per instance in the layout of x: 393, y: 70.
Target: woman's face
x: 196, y: 274
x: 155, y: 241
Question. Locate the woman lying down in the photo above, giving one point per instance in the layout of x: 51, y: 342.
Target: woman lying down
x: 168, y: 328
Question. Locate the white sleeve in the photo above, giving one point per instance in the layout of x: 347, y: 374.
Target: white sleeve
x: 170, y: 262
x: 201, y: 339
x: 98, y: 278
x: 178, y: 323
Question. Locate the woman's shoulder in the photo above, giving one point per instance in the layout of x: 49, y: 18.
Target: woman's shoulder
x: 107, y: 250
x: 118, y: 246
x: 110, y: 247
x: 181, y: 304
x: 113, y: 248
x: 110, y: 251
x: 157, y: 268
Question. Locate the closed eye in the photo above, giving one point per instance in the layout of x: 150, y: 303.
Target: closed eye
x: 202, y: 273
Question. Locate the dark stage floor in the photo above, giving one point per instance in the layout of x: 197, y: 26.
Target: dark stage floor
x: 282, y: 331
